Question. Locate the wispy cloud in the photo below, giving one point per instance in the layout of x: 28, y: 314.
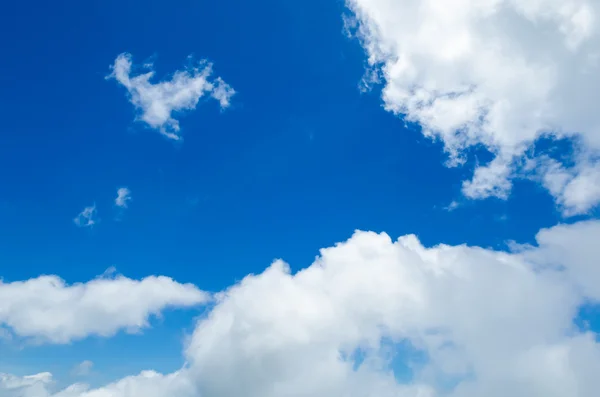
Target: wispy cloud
x: 83, y: 368
x: 157, y: 102
x: 452, y: 206
x: 87, y: 217
x: 123, y: 196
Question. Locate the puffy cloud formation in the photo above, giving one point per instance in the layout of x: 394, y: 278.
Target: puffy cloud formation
x: 157, y: 102
x: 499, y: 74
x: 87, y: 217
x: 485, y: 323
x: 47, y: 310
x: 123, y: 196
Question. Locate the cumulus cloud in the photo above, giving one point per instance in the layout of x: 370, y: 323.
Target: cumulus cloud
x: 87, y: 217
x: 158, y: 102
x: 123, y: 196
x: 487, y: 323
x: 48, y: 310
x: 494, y: 73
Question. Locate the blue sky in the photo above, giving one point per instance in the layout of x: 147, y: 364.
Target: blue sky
x: 299, y: 160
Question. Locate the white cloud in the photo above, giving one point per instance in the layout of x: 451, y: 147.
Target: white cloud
x: 83, y: 368
x: 493, y: 323
x: 147, y: 384
x: 452, y: 206
x: 47, y: 310
x: 157, y: 102
x: 123, y: 196
x: 497, y: 73
x: 26, y: 386
x: 87, y: 217
x: 576, y: 189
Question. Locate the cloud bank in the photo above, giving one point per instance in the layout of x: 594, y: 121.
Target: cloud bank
x: 484, y: 323
x: 498, y: 74
x: 158, y: 102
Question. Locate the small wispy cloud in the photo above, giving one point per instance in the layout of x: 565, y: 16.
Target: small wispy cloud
x: 123, y: 196
x: 452, y: 206
x: 83, y: 369
x: 158, y: 101
x: 87, y: 217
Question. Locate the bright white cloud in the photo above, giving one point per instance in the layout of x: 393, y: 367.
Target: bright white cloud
x: 493, y: 323
x: 87, y: 217
x: 158, y: 102
x: 497, y: 73
x: 123, y: 196
x: 577, y: 189
x: 47, y: 310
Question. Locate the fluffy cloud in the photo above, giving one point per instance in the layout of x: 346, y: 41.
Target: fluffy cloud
x: 498, y: 74
x: 87, y: 217
x: 157, y: 102
x: 123, y: 196
x: 487, y: 323
x: 47, y: 310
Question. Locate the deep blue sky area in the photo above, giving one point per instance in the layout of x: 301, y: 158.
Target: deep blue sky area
x: 299, y: 160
